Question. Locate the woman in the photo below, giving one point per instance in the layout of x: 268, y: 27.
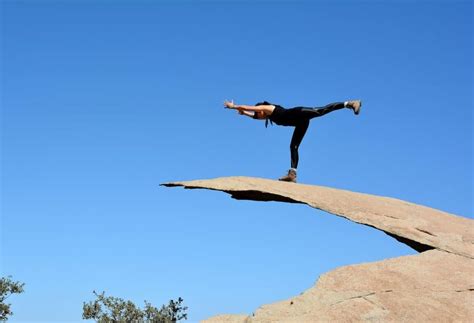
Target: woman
x: 297, y: 117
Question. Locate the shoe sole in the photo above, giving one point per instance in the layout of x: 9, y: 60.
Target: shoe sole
x: 283, y: 180
x: 357, y: 111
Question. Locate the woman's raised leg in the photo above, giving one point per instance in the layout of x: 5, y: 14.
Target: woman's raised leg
x: 320, y: 111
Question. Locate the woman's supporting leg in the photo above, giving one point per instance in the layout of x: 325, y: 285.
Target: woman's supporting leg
x: 298, y: 134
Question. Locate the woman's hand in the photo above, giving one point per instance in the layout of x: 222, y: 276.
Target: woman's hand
x: 229, y: 104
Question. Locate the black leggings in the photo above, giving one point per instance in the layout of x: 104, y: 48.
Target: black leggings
x: 301, y: 117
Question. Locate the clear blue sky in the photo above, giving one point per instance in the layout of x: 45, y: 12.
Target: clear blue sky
x: 102, y: 101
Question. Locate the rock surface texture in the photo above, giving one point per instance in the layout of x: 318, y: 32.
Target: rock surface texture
x: 435, y: 285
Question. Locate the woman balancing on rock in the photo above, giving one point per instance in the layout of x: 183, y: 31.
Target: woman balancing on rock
x: 298, y: 117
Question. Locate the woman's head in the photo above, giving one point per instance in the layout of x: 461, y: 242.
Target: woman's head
x: 263, y: 103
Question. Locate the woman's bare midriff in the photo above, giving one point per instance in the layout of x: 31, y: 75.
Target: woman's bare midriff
x: 269, y: 111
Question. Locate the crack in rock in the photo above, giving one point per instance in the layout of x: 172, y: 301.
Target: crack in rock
x: 362, y: 296
x: 425, y: 231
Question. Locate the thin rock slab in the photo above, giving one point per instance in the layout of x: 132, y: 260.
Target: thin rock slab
x: 422, y: 228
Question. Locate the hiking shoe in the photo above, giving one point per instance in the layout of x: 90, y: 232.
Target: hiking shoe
x: 290, y: 177
x: 355, y: 105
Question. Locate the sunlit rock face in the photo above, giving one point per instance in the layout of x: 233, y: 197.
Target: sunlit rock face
x: 435, y: 285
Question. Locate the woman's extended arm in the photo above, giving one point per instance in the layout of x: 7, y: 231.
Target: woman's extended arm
x: 246, y: 113
x: 254, y: 108
x: 231, y: 105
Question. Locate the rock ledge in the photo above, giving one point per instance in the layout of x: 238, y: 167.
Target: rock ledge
x: 436, y: 285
